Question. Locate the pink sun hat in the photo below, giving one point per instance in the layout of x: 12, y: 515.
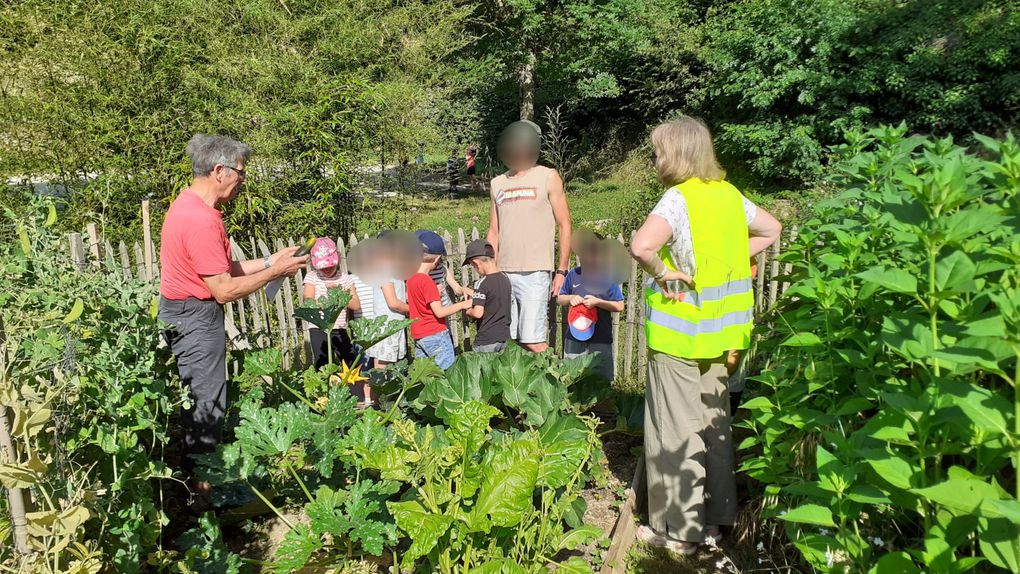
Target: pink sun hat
x: 324, y: 254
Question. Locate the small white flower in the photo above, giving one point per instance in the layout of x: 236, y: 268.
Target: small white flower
x: 761, y: 560
x: 877, y: 541
x: 720, y: 564
x: 761, y: 547
x: 830, y: 558
x: 823, y: 531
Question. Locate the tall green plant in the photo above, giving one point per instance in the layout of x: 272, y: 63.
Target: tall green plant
x: 91, y: 396
x: 888, y: 419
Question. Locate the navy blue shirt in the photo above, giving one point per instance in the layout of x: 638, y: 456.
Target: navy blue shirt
x: 577, y: 284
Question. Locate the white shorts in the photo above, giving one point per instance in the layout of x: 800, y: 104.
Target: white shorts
x: 391, y: 349
x: 529, y: 306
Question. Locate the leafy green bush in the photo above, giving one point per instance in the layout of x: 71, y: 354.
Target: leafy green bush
x: 887, y: 425
x: 90, y: 395
x: 491, y: 486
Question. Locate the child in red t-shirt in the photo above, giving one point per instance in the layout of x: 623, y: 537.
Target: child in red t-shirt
x: 431, y: 337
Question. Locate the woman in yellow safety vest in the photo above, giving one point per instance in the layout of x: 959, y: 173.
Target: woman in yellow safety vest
x: 696, y: 245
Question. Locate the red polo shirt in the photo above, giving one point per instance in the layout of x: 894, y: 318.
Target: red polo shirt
x: 193, y: 243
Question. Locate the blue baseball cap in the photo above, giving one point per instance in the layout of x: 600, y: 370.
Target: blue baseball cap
x: 431, y: 241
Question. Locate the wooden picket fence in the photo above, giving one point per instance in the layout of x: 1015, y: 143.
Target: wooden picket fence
x: 255, y: 322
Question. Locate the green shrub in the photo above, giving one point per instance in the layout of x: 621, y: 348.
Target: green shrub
x: 90, y: 395
x: 887, y: 424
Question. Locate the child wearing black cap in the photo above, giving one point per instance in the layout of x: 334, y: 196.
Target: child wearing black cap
x: 490, y: 304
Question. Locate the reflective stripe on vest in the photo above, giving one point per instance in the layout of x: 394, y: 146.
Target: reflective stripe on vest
x: 716, y: 316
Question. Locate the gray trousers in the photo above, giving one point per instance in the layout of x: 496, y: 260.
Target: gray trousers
x: 689, y: 458
x: 572, y: 349
x: 490, y: 348
x: 198, y: 340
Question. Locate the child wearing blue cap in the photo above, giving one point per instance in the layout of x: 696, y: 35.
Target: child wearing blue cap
x: 431, y: 336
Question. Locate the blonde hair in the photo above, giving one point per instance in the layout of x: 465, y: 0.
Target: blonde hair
x: 430, y: 257
x: 684, y: 151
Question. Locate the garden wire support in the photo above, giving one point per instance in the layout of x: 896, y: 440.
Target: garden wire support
x: 15, y: 496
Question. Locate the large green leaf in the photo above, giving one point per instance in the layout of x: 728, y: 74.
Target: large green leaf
x: 272, y: 431
x: 466, y: 380
x: 985, y: 408
x: 809, y: 514
x: 997, y: 539
x: 578, y: 536
x: 895, y: 563
x: 564, y: 448
x: 468, y: 427
x: 508, y: 483
x: 323, y: 312
x: 297, y: 548
x: 515, y: 373
x: 955, y: 272
x: 574, y: 565
x: 891, y: 467
x: 893, y: 279
x: 544, y: 399
x: 367, y: 332
x: 423, y: 527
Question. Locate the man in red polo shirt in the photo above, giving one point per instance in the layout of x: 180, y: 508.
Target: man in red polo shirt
x: 198, y: 276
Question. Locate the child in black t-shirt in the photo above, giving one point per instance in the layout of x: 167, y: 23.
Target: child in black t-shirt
x: 491, y: 299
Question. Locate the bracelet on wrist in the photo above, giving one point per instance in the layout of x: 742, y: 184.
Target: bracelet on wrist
x: 661, y: 274
x: 266, y: 264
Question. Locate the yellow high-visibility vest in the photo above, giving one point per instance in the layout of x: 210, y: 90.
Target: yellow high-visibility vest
x: 718, y: 313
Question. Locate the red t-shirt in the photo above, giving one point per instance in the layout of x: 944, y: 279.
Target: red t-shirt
x: 421, y: 292
x: 193, y: 243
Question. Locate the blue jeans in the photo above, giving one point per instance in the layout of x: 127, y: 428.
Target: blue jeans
x: 438, y: 347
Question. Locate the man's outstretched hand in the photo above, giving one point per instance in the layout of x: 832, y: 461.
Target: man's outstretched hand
x: 285, y: 264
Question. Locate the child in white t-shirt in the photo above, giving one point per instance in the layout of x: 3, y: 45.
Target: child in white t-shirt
x: 325, y: 275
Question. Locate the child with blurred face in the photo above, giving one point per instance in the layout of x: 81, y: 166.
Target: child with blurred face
x: 431, y: 336
x: 325, y: 275
x: 592, y: 291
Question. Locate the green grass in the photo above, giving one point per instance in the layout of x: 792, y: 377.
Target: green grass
x: 608, y: 208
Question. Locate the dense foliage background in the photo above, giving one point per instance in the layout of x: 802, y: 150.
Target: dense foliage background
x: 102, y: 96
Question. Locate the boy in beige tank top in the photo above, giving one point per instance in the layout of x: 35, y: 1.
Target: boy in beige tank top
x: 527, y: 205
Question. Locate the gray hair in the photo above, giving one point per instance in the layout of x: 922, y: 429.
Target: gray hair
x: 206, y: 151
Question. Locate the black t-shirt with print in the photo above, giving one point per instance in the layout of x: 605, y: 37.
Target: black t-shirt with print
x: 493, y: 293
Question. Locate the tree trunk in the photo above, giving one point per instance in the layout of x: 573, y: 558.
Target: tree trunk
x: 15, y: 496
x: 527, y: 86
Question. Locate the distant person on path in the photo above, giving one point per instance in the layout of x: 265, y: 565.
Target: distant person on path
x: 490, y: 302
x: 527, y: 207
x: 326, y: 275
x: 199, y: 276
x: 469, y: 161
x: 431, y: 336
x: 592, y: 295
x: 696, y: 245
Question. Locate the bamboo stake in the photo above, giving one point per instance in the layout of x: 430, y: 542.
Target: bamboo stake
x: 465, y: 281
x: 147, y: 239
x: 632, y: 290
x: 15, y: 496
x: 759, y: 294
x: 773, y: 279
x: 788, y: 267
